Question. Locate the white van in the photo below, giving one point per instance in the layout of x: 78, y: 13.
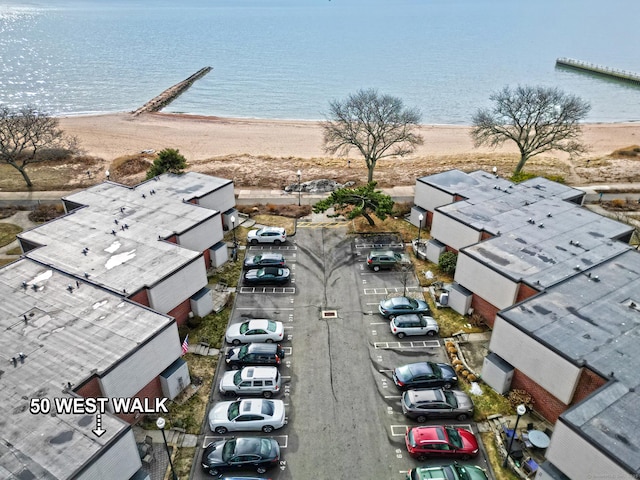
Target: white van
x: 263, y: 381
x: 413, y: 324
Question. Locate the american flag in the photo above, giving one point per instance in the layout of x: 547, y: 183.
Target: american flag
x: 185, y: 345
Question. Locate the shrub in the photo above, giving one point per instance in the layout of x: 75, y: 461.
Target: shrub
x: 447, y: 262
x: 472, y: 378
x: 169, y: 160
x: 45, y: 212
x: 517, y: 397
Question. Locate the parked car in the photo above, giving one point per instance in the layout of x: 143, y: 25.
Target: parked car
x: 275, y: 235
x: 267, y: 275
x: 413, y: 324
x: 256, y: 330
x: 247, y: 415
x: 440, y: 440
x: 424, y: 375
x: 264, y: 260
x: 263, y: 381
x: 241, y: 453
x: 450, y: 472
x: 428, y: 403
x: 254, y: 354
x: 382, y: 259
x: 400, y: 305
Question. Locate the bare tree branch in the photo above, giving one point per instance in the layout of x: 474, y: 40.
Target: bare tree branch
x: 537, y: 119
x: 378, y: 126
x: 25, y: 133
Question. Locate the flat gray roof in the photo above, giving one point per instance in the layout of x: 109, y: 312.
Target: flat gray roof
x: 67, y: 337
x: 127, y: 255
x: 539, y: 236
x: 189, y: 185
x: 593, y: 319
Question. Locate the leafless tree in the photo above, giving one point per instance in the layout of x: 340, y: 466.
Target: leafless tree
x: 25, y: 134
x: 537, y: 119
x: 378, y: 126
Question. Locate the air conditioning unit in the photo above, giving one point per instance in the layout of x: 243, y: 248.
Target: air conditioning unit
x: 497, y: 373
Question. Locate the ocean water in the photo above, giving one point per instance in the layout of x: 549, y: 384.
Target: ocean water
x: 288, y: 58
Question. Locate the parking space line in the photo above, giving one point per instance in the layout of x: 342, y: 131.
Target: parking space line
x: 406, y: 345
x: 379, y: 245
x: 379, y: 323
x: 398, y: 430
x: 267, y: 308
x: 272, y: 247
x: 386, y: 291
x: 210, y: 438
x: 392, y: 396
x: 287, y: 350
x: 281, y: 290
x: 383, y: 371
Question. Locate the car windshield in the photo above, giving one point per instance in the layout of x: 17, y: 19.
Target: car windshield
x: 462, y: 472
x: 271, y: 326
x: 413, y: 303
x: 234, y: 410
x: 454, y: 437
x: 244, y: 327
x: 451, y: 398
x: 243, y: 351
x: 436, y: 369
x: 237, y: 378
x: 267, y: 407
x: 410, y: 438
x: 228, y: 450
x: 261, y: 273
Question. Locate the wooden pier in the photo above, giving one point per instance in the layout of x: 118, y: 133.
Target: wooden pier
x: 623, y: 75
x: 171, y: 93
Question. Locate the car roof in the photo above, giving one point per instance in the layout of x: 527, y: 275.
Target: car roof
x: 248, y: 445
x: 262, y: 347
x: 259, y: 323
x: 420, y: 367
x: 381, y: 252
x: 259, y: 372
x: 429, y: 434
x: 272, y: 229
x: 269, y: 255
x: 400, y: 300
x: 252, y: 405
x: 407, y: 316
x: 272, y: 270
x: 426, y: 395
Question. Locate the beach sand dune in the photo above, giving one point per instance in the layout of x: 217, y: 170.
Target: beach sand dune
x: 244, y: 143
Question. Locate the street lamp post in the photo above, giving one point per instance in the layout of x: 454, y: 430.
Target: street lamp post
x: 160, y: 423
x: 520, y: 410
x: 299, y: 173
x: 420, y: 219
x: 233, y: 228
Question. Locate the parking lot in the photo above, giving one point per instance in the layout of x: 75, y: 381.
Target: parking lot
x: 343, y: 409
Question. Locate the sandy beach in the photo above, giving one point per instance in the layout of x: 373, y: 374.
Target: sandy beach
x: 267, y: 153
x: 113, y: 135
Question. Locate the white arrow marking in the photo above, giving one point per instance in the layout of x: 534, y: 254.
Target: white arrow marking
x: 98, y: 431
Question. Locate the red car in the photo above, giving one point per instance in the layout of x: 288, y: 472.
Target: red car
x: 440, y: 440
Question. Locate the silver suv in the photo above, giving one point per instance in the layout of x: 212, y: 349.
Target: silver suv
x: 413, y: 324
x: 263, y: 381
x: 275, y: 235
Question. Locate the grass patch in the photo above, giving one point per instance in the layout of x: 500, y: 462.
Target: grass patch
x: 397, y: 225
x: 188, y: 414
x: 489, y: 403
x: 59, y: 174
x: 183, y: 461
x: 275, y: 221
x: 229, y: 273
x: 489, y: 442
x: 45, y: 212
x: 14, y: 251
x: 8, y: 232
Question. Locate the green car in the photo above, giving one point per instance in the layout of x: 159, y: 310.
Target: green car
x: 450, y: 472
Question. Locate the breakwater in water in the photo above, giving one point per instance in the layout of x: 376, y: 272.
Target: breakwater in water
x: 599, y: 70
x: 170, y: 94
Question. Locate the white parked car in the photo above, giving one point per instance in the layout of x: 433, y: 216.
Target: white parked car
x: 247, y: 415
x: 259, y: 330
x: 413, y: 324
x: 265, y: 381
x: 275, y: 235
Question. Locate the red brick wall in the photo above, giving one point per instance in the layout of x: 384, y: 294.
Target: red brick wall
x: 544, y: 402
x: 91, y: 389
x: 588, y: 383
x: 172, y: 239
x: 485, y: 235
x: 181, y: 312
x: 484, y: 308
x: 429, y: 220
x: 524, y: 292
x: 141, y: 297
x: 152, y: 390
x: 207, y: 258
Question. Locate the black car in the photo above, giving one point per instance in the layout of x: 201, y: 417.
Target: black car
x: 264, y: 260
x: 241, y: 453
x: 267, y: 275
x: 254, y: 354
x: 424, y: 375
